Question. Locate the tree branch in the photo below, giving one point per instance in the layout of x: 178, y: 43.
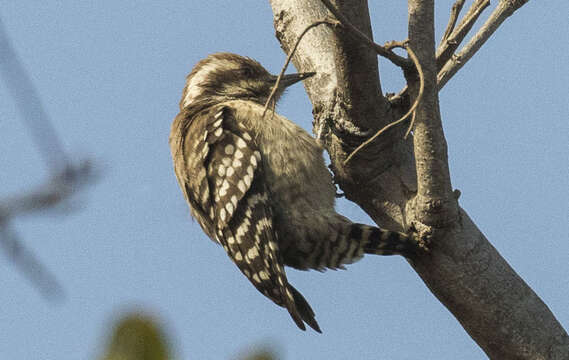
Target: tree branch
x: 448, y: 46
x: 504, y: 10
x: 382, y: 51
x: 454, y: 12
x: 503, y: 315
x: 434, y: 203
x: 58, y: 189
x: 30, y: 106
x: 66, y: 177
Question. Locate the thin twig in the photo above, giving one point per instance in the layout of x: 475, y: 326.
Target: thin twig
x: 448, y: 47
x: 454, y: 12
x: 59, y: 188
x: 289, y: 58
x: 380, y: 50
x: 411, y: 110
x: 30, y: 106
x: 30, y: 266
x: 500, y: 13
x: 47, y: 196
x: 65, y: 176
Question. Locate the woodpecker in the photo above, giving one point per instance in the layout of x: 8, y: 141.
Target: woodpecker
x: 257, y: 183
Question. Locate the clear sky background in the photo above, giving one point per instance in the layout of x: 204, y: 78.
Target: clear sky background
x: 110, y: 74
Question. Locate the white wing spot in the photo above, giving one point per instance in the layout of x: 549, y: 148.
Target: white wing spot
x: 241, y: 230
x: 218, y: 132
x: 247, y: 272
x: 229, y: 208
x: 226, y: 161
x: 250, y: 170
x: 231, y: 240
x: 236, y: 163
x: 238, y: 256
x: 252, y: 253
x: 256, y: 278
x: 238, y: 154
x: 222, y: 214
x: 221, y: 170
x: 257, y: 155
x: 234, y: 200
x: 229, y: 149
x: 247, y: 137
x: 241, y: 186
x: 218, y: 122
x: 224, y: 188
x: 204, y: 136
x: 253, y: 160
x: 264, y: 275
x: 247, y: 180
x: 241, y: 144
x: 230, y: 171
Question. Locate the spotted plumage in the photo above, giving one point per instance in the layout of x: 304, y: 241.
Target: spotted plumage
x: 258, y: 184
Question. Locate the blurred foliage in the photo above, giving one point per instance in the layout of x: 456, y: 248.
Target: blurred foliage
x: 261, y: 355
x: 137, y: 337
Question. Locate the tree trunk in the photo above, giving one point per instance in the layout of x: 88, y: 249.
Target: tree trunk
x: 406, y: 183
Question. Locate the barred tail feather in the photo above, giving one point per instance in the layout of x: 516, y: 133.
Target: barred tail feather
x: 385, y: 242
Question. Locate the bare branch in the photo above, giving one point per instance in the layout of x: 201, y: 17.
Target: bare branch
x: 464, y: 271
x: 434, y: 203
x: 504, y: 10
x: 30, y: 106
x: 66, y: 177
x: 447, y: 47
x: 382, y: 51
x: 454, y: 12
x: 29, y: 265
x: 56, y: 190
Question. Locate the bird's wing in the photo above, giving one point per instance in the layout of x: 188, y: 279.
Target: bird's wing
x: 229, y: 191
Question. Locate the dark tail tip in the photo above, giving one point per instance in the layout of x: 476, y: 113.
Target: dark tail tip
x: 305, y: 311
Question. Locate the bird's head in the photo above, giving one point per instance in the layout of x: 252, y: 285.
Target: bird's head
x: 225, y: 76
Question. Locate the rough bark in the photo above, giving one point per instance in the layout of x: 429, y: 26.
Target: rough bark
x: 400, y: 183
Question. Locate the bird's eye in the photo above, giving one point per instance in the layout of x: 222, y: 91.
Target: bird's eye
x: 246, y: 71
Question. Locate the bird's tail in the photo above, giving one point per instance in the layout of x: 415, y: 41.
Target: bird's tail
x: 386, y: 242
x: 304, y: 310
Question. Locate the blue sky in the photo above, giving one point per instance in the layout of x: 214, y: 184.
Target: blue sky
x: 110, y: 74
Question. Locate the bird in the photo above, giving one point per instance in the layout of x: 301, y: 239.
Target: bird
x: 258, y: 185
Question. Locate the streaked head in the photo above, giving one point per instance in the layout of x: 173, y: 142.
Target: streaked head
x: 226, y: 76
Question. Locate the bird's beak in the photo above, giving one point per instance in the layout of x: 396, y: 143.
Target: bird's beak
x: 288, y: 80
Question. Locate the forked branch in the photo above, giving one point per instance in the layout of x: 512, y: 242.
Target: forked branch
x: 454, y: 12
x: 448, y: 45
x: 504, y: 10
